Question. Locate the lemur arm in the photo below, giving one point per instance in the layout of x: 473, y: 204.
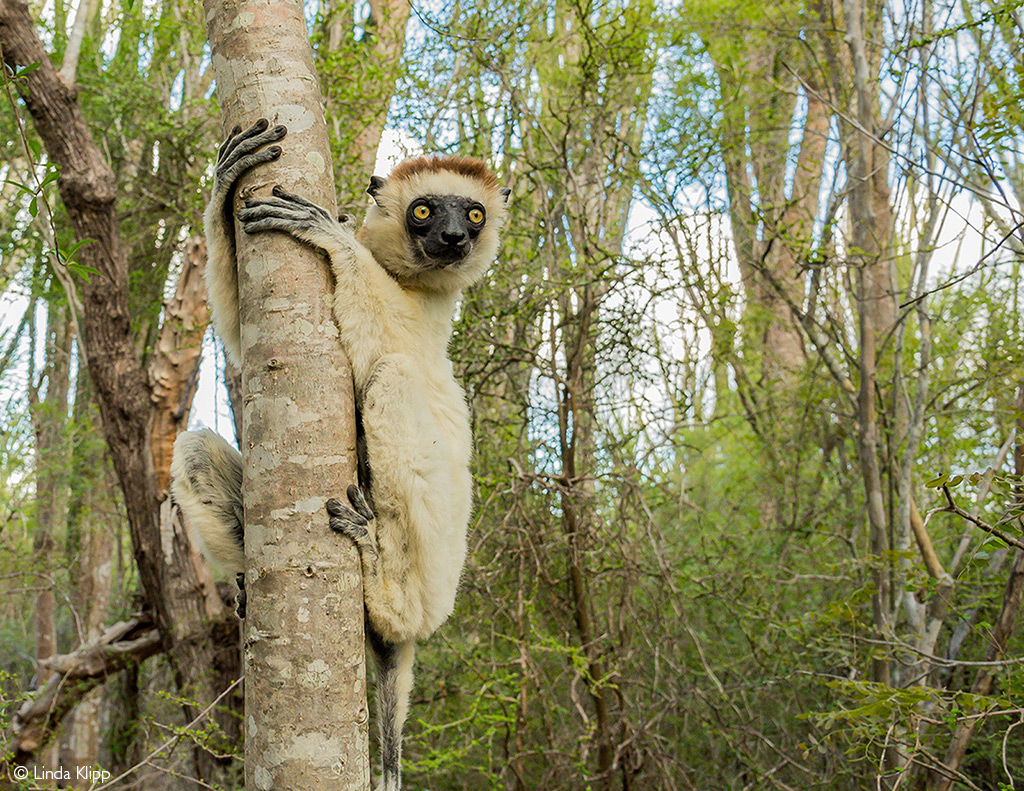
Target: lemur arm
x: 368, y: 303
x: 237, y: 155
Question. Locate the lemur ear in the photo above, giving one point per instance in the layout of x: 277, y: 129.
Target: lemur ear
x: 376, y: 185
x: 505, y: 193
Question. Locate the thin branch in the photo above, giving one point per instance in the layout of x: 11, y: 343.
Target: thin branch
x: 953, y: 508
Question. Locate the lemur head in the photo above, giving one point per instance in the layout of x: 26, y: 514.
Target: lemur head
x: 435, y: 221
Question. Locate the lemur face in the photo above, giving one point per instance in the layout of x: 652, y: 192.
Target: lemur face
x: 444, y: 228
x: 434, y: 222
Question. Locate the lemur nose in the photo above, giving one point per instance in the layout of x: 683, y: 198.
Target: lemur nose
x: 453, y: 238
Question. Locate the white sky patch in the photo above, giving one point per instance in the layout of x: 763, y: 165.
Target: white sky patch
x: 210, y: 406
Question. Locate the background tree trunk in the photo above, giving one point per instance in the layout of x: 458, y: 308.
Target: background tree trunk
x: 94, y: 526
x: 303, y: 583
x: 49, y: 419
x: 177, y: 584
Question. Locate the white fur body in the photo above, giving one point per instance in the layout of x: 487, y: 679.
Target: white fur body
x: 395, y: 322
x: 394, y: 306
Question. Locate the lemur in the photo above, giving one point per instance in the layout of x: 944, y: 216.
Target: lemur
x: 432, y: 229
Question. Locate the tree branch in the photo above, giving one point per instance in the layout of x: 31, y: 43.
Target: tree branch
x: 953, y: 508
x: 76, y: 674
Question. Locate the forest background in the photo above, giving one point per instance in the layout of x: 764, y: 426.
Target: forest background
x: 747, y: 388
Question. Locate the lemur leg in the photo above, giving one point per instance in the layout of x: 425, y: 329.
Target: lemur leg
x: 206, y: 483
x: 413, y: 546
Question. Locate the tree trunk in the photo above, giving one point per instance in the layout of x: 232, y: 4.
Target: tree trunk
x: 49, y: 423
x: 304, y: 598
x: 95, y: 533
x: 871, y: 224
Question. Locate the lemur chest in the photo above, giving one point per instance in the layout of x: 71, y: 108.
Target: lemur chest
x: 447, y: 404
x: 420, y: 391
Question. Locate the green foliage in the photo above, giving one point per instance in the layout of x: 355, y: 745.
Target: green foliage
x: 669, y: 556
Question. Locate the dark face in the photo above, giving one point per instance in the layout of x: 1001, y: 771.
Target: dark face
x: 444, y: 227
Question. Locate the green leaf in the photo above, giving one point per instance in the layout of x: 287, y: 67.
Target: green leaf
x: 22, y: 188
x: 82, y: 270
x: 27, y: 69
x: 74, y: 249
x: 935, y: 483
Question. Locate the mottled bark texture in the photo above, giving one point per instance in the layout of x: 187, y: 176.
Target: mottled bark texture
x: 305, y: 680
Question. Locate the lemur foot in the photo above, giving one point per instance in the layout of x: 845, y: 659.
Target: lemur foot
x: 297, y: 216
x: 355, y: 521
x: 242, y: 151
x: 240, y: 601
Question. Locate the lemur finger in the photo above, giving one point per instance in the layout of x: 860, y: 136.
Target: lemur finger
x: 282, y: 194
x: 342, y: 519
x: 264, y: 210
x: 297, y: 228
x: 340, y: 525
x: 245, y: 163
x: 338, y: 510
x: 237, y: 136
x: 244, y: 145
x: 288, y: 204
x: 355, y: 496
x: 228, y: 142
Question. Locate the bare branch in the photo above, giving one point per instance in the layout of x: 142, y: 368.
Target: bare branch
x: 76, y: 674
x: 953, y: 508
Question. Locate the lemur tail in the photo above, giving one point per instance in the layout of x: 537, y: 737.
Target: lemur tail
x: 206, y: 482
x: 394, y: 683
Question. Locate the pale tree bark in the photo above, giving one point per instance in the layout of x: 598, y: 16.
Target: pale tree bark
x: 69, y: 67
x: 304, y: 599
x: 177, y: 584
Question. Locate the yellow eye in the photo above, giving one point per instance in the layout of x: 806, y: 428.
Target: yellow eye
x: 421, y: 212
x: 476, y: 216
